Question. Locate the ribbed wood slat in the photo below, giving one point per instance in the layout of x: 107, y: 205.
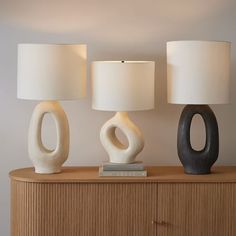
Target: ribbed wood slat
x: 197, y: 209
x: 64, y: 209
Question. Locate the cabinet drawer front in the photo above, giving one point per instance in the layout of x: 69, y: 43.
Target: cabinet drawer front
x: 84, y: 209
x: 197, y: 209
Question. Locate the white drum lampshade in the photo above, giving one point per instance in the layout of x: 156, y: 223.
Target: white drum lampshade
x: 122, y: 86
x: 50, y: 72
x: 197, y: 75
x: 198, y: 72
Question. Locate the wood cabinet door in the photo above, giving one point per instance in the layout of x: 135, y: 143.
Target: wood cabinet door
x: 125, y: 209
x: 83, y: 209
x: 196, y: 209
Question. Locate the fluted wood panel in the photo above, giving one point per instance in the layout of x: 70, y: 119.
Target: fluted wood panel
x: 83, y: 209
x: 197, y: 209
x: 78, y: 202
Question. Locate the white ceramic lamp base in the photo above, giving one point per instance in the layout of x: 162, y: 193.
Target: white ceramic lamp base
x: 44, y: 160
x: 117, y: 152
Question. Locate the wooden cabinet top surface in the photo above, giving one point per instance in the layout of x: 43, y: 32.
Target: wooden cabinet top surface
x: 155, y: 174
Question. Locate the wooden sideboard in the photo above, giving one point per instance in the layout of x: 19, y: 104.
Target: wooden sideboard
x: 77, y: 202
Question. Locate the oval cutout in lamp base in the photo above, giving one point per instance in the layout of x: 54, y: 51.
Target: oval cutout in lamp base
x: 117, y: 152
x: 44, y: 160
x: 198, y: 162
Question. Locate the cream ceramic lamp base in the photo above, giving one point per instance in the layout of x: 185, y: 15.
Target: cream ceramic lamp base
x: 44, y: 160
x: 117, y: 152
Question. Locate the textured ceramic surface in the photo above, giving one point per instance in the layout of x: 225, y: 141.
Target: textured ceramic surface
x: 198, y: 162
x: 44, y: 160
x: 117, y: 152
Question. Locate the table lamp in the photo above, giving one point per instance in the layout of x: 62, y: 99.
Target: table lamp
x: 122, y: 86
x: 50, y: 72
x: 198, y: 75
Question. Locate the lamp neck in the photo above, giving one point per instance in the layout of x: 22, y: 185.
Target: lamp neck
x: 122, y: 114
x: 51, y: 102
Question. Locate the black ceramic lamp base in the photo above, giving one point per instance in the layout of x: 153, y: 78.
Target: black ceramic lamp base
x: 198, y: 162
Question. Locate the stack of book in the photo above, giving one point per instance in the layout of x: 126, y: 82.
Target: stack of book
x: 117, y: 169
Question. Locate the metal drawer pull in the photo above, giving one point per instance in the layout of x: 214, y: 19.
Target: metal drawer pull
x: 159, y: 222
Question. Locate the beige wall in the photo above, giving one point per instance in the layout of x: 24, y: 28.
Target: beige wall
x: 125, y: 29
